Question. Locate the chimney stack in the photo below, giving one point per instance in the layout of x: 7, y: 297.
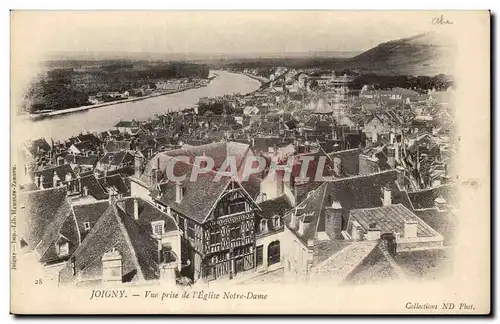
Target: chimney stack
x: 333, y: 221
x: 112, y: 195
x: 440, y: 204
x: 387, y: 200
x: 178, y: 192
x: 304, y: 223
x: 373, y: 232
x: 136, y: 208
x: 137, y: 164
x: 391, y: 156
x: 293, y: 221
x: 112, y: 270
x: 410, y: 230
x: 401, y: 177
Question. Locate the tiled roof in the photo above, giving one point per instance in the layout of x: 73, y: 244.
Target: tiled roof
x: 90, y: 160
x: 89, y: 213
x: 426, y: 263
x: 351, y: 193
x: 115, y: 146
x: 84, y: 146
x: 39, y: 144
x: 340, y: 265
x: 116, y: 158
x: 117, y: 181
x: 425, y: 198
x: 48, y: 174
x: 114, y: 229
x: 276, y: 206
x: 147, y: 214
x: 41, y: 217
x: 94, y: 187
x: 391, y: 219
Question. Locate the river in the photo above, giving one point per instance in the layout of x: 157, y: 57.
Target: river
x: 104, y: 118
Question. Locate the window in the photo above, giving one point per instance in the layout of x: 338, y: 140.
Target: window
x: 237, y: 207
x: 63, y: 248
x: 260, y: 255
x: 86, y: 226
x: 235, y: 233
x: 190, y: 230
x: 276, y: 221
x: 158, y: 227
x: 273, y: 252
x: 263, y: 225
x: 215, y: 237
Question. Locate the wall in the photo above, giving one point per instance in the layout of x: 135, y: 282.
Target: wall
x: 418, y: 244
x: 265, y: 241
x: 296, y: 254
x: 138, y: 190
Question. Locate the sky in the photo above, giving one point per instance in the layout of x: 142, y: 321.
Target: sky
x: 218, y: 32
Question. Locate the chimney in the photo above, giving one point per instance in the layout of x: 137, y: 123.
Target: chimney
x: 55, y: 180
x: 391, y: 156
x: 374, y: 136
x: 136, y: 208
x: 112, y: 195
x: 373, y: 232
x: 304, y: 223
x: 392, y: 137
x: 440, y: 204
x: 387, y: 200
x: 333, y: 221
x: 401, y: 176
x: 37, y: 181
x: 178, y: 192
x: 85, y: 191
x: 112, y: 271
x: 410, y: 230
x: 137, y: 164
x: 293, y: 221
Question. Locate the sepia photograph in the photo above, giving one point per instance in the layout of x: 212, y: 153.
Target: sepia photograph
x: 250, y: 162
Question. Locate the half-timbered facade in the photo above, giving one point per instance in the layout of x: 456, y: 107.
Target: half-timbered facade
x: 216, y: 216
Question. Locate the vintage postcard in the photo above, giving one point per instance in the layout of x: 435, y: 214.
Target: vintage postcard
x: 250, y: 162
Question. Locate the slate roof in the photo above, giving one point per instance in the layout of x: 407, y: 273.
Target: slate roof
x: 116, y: 158
x: 90, y: 160
x: 352, y: 193
x: 48, y: 174
x: 39, y: 144
x: 117, y: 181
x: 89, y: 213
x: 276, y: 206
x: 84, y: 146
x: 115, y: 146
x: 147, y: 214
x: 115, y: 229
x: 92, y: 138
x: 340, y: 265
x: 391, y: 219
x: 425, y: 198
x: 45, y: 216
x: 95, y: 188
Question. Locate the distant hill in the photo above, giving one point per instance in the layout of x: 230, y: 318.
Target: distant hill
x: 423, y: 54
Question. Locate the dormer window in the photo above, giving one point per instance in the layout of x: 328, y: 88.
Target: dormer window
x: 63, y: 248
x: 86, y: 226
x: 263, y: 225
x: 276, y: 221
x: 158, y: 227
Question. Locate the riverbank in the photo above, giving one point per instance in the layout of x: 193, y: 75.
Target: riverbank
x: 111, y: 103
x: 262, y: 80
